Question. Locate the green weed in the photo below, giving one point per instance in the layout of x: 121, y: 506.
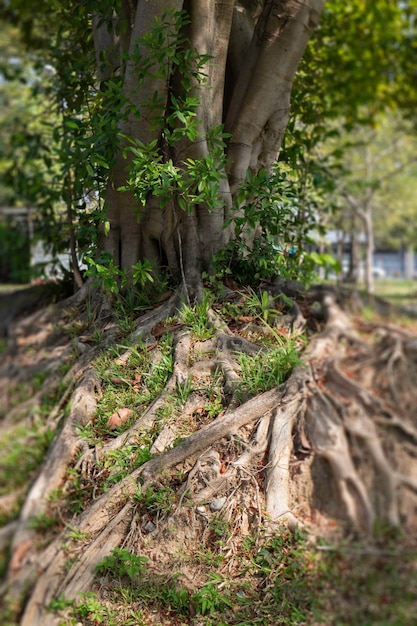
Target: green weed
x: 209, y: 599
x: 122, y: 563
x: 156, y: 498
x: 183, y: 391
x: 262, y: 306
x: 267, y: 370
x: 197, y: 319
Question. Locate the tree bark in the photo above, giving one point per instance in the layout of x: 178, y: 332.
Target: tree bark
x: 254, y: 51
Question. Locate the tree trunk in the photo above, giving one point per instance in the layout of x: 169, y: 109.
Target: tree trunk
x: 253, y: 51
x: 352, y: 276
x: 409, y: 262
x: 370, y: 248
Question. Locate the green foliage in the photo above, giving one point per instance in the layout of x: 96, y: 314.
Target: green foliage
x: 132, y: 291
x: 122, y: 563
x: 357, y: 63
x: 189, y: 184
x: 14, y: 253
x: 275, y: 216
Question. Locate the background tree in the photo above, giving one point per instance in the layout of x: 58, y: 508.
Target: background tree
x: 366, y: 165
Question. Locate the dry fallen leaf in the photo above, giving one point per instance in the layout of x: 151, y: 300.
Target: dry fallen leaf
x: 119, y: 417
x: 246, y: 319
x: 118, y: 381
x: 18, y: 555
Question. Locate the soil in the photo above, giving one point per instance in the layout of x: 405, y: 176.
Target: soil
x: 331, y: 448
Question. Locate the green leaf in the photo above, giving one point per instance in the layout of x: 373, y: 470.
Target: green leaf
x: 182, y: 203
x: 72, y: 123
x: 181, y: 117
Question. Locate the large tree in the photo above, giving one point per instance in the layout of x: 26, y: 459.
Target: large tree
x: 248, y: 54
x: 225, y: 411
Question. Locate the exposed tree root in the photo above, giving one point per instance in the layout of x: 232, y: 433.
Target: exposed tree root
x: 343, y: 422
x: 67, y: 442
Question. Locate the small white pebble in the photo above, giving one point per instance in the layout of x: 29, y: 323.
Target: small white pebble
x: 217, y: 504
x: 150, y: 527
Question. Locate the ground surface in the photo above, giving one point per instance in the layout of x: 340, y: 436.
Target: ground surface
x: 193, y: 457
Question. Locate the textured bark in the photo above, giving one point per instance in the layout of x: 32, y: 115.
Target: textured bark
x: 260, y: 104
x: 255, y: 49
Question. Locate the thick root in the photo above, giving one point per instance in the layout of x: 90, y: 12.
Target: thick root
x: 348, y: 409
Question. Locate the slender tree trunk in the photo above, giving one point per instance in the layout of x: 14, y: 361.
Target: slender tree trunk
x: 409, y: 262
x: 352, y: 275
x: 370, y: 248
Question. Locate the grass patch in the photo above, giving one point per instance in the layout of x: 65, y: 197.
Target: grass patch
x: 197, y: 318
x: 21, y: 452
x: 265, y: 371
x: 281, y: 581
x: 133, y: 383
x: 399, y: 292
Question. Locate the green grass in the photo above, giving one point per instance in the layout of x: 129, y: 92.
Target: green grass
x: 21, y: 452
x: 122, y: 388
x: 265, y: 371
x: 283, y: 580
x: 399, y: 292
x: 197, y: 318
